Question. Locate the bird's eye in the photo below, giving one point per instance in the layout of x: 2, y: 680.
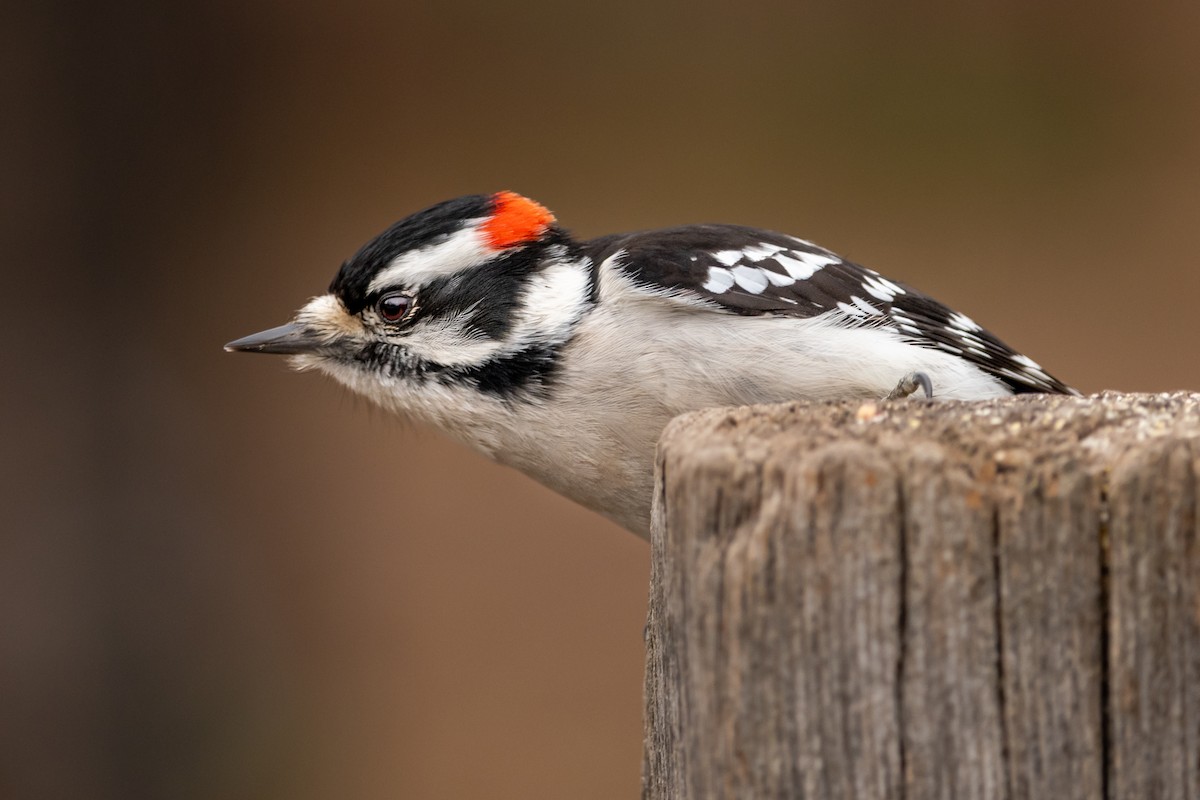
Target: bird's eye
x: 394, y: 307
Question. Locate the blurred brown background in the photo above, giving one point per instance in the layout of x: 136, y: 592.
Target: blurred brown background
x: 222, y: 580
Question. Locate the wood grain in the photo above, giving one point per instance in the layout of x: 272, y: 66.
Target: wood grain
x: 1154, y: 644
x: 927, y: 600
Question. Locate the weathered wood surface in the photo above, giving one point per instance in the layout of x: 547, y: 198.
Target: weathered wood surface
x: 928, y: 600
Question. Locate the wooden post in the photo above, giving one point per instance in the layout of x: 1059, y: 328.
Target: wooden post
x: 928, y: 600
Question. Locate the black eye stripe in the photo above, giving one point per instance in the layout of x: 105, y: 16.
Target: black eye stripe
x: 487, y: 294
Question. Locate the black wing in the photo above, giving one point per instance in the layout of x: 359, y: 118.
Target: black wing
x: 751, y: 272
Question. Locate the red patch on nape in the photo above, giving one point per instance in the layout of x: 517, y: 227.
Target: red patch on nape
x: 516, y: 220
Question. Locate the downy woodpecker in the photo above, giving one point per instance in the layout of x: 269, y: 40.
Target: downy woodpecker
x: 565, y: 359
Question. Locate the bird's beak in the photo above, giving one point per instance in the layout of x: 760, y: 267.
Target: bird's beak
x: 288, y: 340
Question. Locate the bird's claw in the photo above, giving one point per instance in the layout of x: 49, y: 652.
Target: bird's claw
x: 909, y: 384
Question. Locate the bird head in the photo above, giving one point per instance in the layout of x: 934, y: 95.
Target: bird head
x: 476, y: 293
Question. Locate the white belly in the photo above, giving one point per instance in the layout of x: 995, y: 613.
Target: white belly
x: 595, y: 441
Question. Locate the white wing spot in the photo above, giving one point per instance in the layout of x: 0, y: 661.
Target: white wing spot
x: 1037, y: 374
x: 719, y: 280
x: 865, y: 306
x: 750, y: 278
x: 760, y: 251
x: 807, y: 243
x: 852, y: 311
x: 1026, y: 361
x: 877, y: 290
x: 1024, y: 378
x: 889, y: 286
x: 904, y: 323
x: 797, y: 269
x: 802, y: 266
x: 776, y: 278
x: 728, y: 257
x: 963, y: 322
x: 818, y: 260
x: 969, y: 338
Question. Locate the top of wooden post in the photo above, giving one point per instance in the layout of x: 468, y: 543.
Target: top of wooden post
x: 1011, y: 431
x: 922, y: 600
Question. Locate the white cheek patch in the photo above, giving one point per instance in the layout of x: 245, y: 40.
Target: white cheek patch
x: 461, y: 250
x: 447, y: 341
x: 554, y: 300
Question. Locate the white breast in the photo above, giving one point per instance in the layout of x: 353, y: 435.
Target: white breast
x: 638, y: 360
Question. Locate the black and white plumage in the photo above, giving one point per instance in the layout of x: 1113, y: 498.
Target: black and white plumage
x: 565, y: 359
x: 753, y: 272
